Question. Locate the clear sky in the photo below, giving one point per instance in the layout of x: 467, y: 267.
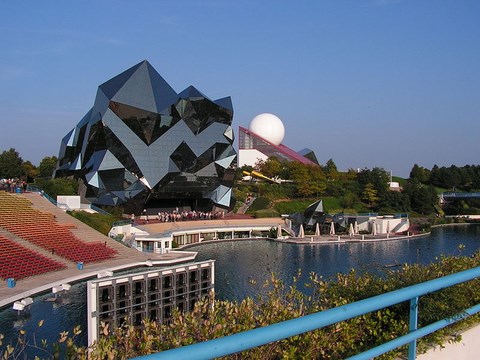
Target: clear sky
x: 368, y: 83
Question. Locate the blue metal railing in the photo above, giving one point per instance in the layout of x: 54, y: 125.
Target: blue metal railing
x: 368, y: 214
x: 454, y: 194
x: 36, y: 189
x: 396, y: 216
x: 279, y: 331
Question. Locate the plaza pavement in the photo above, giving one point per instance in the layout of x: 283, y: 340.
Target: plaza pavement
x: 162, y: 228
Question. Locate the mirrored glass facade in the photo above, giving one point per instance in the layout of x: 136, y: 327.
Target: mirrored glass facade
x: 143, y: 143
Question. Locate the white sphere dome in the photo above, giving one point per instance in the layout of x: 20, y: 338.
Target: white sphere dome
x: 269, y: 127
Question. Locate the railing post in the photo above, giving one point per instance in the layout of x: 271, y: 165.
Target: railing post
x: 412, y: 347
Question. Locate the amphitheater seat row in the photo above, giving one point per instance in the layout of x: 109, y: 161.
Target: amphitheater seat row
x: 18, y: 217
x: 18, y: 262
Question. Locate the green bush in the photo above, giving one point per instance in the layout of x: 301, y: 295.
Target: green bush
x: 212, y: 319
x: 259, y: 203
x: 266, y: 213
x: 55, y: 187
x: 330, y: 205
x: 100, y: 222
x: 292, y: 206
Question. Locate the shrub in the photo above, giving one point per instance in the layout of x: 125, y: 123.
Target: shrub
x: 100, y: 222
x: 212, y: 319
x: 259, y: 203
x: 55, y: 187
x: 266, y: 213
x: 293, y: 206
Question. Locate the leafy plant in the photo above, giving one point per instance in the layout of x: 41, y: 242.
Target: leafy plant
x: 100, y: 222
x: 260, y: 203
x: 212, y: 318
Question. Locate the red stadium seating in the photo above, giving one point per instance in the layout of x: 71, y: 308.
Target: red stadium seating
x: 18, y: 217
x: 18, y: 262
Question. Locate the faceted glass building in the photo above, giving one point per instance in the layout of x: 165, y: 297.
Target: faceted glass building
x: 143, y: 145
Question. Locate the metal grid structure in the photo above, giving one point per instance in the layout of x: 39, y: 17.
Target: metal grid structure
x: 129, y: 299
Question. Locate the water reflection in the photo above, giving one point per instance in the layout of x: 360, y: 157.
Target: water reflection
x: 67, y: 311
x: 238, y: 262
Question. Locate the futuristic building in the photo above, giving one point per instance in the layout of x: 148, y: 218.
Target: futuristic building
x: 263, y: 139
x: 144, y: 145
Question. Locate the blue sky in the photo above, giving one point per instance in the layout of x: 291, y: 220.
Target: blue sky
x: 385, y: 83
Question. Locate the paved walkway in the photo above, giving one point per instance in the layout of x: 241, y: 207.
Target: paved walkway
x: 162, y: 228
x: 159, y: 228
x: 342, y: 239
x: 467, y: 349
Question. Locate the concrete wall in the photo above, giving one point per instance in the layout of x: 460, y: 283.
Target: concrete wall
x: 71, y: 202
x: 250, y: 157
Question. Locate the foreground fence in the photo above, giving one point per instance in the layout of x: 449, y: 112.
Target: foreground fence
x: 279, y: 331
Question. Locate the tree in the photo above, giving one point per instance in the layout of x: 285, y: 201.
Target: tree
x: 29, y: 170
x: 349, y: 200
x: 378, y: 177
x: 271, y: 167
x: 47, y: 166
x: 435, y: 176
x: 423, y: 198
x: 331, y: 170
x: 317, y: 178
x: 11, y: 164
x: 419, y: 174
x: 394, y: 201
x: 309, y: 180
x: 55, y: 187
x: 369, y: 194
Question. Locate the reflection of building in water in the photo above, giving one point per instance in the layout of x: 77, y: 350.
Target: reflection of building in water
x: 153, y: 295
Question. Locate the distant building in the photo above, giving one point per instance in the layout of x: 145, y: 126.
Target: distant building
x: 143, y: 145
x: 263, y: 140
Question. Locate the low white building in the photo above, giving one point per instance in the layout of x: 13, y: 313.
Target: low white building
x: 152, y: 244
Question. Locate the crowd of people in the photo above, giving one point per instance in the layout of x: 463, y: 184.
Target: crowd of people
x: 185, y: 215
x: 13, y: 185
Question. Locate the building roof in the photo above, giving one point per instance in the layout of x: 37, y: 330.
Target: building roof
x: 250, y: 140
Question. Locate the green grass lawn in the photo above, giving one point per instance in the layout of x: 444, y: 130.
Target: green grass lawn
x: 330, y: 205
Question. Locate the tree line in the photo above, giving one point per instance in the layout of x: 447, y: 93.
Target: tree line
x: 360, y: 190
x: 12, y: 166
x: 466, y: 178
x: 369, y: 189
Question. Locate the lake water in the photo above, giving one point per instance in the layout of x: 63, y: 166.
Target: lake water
x: 240, y: 262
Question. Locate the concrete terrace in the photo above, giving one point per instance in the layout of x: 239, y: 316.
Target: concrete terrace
x: 124, y: 258
x: 166, y: 228
x: 159, y: 228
